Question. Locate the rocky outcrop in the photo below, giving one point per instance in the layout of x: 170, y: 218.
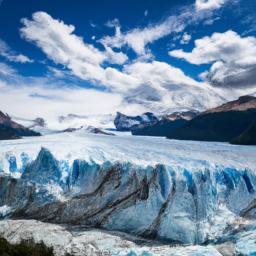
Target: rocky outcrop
x: 89, y: 129
x: 127, y: 123
x: 165, y: 125
x: 186, y: 115
x: 157, y: 202
x: 12, y: 130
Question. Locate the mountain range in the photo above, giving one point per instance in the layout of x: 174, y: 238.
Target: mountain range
x: 233, y: 122
x: 224, y: 123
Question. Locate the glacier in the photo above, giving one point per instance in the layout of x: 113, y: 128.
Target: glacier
x: 177, y: 192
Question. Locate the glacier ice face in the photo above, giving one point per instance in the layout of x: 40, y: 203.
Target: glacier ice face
x: 175, y: 197
x: 4, y: 210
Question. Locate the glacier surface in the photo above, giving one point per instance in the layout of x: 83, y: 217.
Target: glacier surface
x: 179, y: 192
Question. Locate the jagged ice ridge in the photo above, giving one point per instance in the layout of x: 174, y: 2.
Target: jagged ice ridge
x: 177, y: 199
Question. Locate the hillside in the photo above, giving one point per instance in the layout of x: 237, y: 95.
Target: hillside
x: 12, y: 130
x: 248, y: 137
x: 220, y: 124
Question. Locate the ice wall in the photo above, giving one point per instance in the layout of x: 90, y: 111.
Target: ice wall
x: 159, y: 201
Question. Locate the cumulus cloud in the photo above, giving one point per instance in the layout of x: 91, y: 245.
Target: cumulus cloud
x: 11, y: 55
x: 209, y: 4
x: 232, y: 57
x: 115, y: 57
x: 142, y: 85
x: 61, y: 45
x: 163, y: 86
x: 58, y: 41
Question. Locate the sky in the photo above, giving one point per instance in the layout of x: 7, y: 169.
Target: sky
x: 97, y: 57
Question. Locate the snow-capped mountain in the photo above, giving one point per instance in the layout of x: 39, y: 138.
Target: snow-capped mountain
x: 76, y: 121
x: 126, y: 123
x: 164, y: 125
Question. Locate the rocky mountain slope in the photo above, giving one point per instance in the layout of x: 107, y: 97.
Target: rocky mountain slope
x: 241, y: 104
x: 247, y: 137
x: 89, y: 129
x: 12, y: 130
x: 127, y: 123
x: 164, y: 125
x: 223, y: 123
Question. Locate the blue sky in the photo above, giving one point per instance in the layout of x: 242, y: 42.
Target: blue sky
x: 134, y: 56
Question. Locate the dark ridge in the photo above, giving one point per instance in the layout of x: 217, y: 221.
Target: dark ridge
x: 217, y: 126
x: 160, y: 128
x: 11, y: 130
x: 247, y: 137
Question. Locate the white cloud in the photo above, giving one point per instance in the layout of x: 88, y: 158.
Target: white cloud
x: 57, y: 72
x: 159, y: 74
x: 115, y: 57
x: 157, y: 87
x: 58, y: 41
x: 232, y: 57
x: 185, y: 38
x: 209, y: 4
x: 112, y: 23
x: 146, y: 13
x: 6, y: 70
x: 139, y: 38
x: 164, y: 87
x: 61, y: 45
x: 142, y: 85
x: 49, y: 99
x: 11, y: 55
